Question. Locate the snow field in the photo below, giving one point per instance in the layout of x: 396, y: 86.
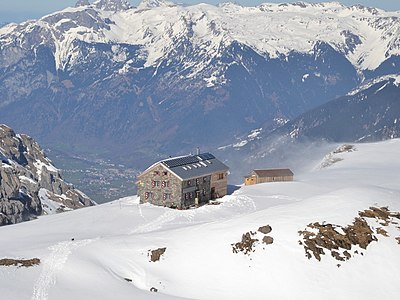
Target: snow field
x: 108, y: 258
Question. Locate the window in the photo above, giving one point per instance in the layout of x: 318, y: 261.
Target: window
x: 197, y: 181
x: 148, y: 195
x: 204, y: 179
x: 165, y: 173
x: 166, y: 196
x: 156, y: 173
x: 204, y: 192
x: 155, y: 183
x: 220, y: 176
x: 189, y: 182
x: 165, y: 183
x: 190, y: 195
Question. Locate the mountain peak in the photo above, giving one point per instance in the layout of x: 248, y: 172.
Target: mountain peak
x: 112, y: 5
x: 82, y: 3
x: 155, y: 3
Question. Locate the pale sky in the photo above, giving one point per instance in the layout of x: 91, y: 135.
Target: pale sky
x: 20, y: 10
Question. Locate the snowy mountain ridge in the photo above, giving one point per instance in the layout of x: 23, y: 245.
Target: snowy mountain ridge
x: 366, y: 36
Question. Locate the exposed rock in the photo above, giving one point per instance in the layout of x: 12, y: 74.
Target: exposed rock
x: 24, y: 172
x: 382, y: 231
x: 328, y: 237
x: 265, y: 229
x: 339, y: 240
x: 155, y: 255
x: 250, y: 240
x: 246, y: 244
x: 268, y: 240
x: 82, y: 3
x: 332, y: 157
x: 19, y: 262
x: 112, y: 5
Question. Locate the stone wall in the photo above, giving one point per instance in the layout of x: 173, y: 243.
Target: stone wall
x: 158, y: 186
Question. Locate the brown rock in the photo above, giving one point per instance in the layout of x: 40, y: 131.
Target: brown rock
x: 265, y: 229
x: 155, y: 255
x: 268, y: 240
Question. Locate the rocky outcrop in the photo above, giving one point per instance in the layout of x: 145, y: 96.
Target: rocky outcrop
x: 112, y: 5
x: 320, y: 239
x: 82, y: 3
x: 29, y: 181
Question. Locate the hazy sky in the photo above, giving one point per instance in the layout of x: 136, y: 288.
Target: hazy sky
x: 19, y: 10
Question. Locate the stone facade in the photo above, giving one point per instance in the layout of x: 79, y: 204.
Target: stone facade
x: 160, y: 187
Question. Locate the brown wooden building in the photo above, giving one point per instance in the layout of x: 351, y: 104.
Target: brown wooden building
x: 183, y: 181
x: 268, y: 175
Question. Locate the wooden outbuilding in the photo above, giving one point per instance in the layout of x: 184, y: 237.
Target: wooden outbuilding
x: 268, y: 175
x: 184, y: 181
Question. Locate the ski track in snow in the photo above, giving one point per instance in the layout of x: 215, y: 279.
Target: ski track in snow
x: 244, y: 203
x: 158, y: 223
x: 53, y: 264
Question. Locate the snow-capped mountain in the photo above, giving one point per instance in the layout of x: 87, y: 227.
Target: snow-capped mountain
x: 30, y: 185
x: 331, y: 234
x: 370, y: 112
x: 101, y: 75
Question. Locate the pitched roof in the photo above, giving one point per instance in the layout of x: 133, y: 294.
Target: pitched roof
x: 273, y: 172
x: 192, y: 166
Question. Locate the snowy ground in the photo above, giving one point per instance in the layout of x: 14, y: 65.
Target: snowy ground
x: 108, y: 256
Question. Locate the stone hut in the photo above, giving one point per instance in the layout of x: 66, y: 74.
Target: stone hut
x: 183, y: 181
x: 268, y: 175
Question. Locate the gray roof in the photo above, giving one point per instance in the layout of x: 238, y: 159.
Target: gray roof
x: 272, y: 172
x: 192, y: 166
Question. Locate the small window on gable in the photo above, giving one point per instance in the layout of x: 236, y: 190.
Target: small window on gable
x: 220, y: 176
x: 156, y: 173
x: 165, y: 173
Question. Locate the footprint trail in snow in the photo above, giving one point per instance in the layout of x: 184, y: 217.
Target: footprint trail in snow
x: 53, y: 264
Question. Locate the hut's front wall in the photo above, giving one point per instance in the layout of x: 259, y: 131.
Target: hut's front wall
x: 160, y: 187
x: 274, y: 179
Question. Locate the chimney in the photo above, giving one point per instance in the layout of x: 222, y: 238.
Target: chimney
x: 198, y: 151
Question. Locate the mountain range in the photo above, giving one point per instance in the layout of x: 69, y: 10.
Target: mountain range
x: 133, y: 84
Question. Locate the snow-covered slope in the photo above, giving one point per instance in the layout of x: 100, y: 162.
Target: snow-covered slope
x: 104, y: 251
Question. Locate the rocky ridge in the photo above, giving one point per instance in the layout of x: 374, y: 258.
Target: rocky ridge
x: 29, y: 183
